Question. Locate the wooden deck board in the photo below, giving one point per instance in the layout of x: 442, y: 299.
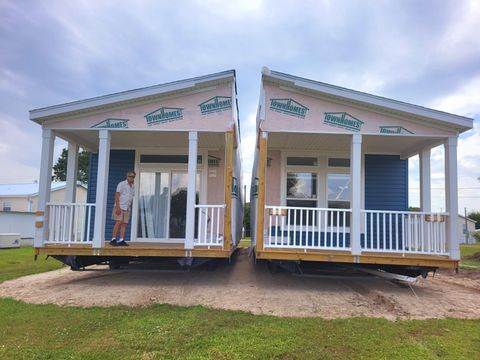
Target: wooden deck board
x: 364, y: 258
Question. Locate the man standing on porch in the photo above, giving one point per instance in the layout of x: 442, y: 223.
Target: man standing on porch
x: 121, y: 210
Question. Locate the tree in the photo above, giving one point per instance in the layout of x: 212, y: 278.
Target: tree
x: 475, y: 215
x: 246, y: 215
x: 60, y: 168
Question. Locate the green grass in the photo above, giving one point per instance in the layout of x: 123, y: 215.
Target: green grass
x: 20, y: 262
x: 469, y: 250
x: 245, y: 242
x: 164, y: 331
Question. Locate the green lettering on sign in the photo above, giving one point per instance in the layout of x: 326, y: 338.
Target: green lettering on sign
x: 111, y: 124
x: 289, y: 107
x: 163, y: 115
x: 343, y: 120
x: 216, y: 103
x: 394, y: 130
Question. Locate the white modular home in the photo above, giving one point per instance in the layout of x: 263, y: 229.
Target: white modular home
x: 182, y: 140
x: 330, y: 178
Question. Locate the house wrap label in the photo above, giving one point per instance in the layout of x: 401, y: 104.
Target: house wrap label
x: 288, y: 107
x: 216, y: 103
x: 112, y: 123
x: 343, y: 120
x: 163, y: 115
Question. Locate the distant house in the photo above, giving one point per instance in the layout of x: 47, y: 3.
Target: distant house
x: 466, y: 229
x: 19, y: 202
x: 24, y: 197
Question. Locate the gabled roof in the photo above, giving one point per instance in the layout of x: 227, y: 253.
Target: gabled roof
x: 39, y: 115
x: 29, y: 189
x: 460, y: 123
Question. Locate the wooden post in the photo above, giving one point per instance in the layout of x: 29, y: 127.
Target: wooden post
x: 227, y: 233
x: 356, y: 176
x: 262, y: 165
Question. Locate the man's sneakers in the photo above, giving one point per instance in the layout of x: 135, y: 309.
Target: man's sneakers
x: 114, y: 242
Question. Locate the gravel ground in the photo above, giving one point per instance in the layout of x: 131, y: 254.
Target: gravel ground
x: 244, y: 286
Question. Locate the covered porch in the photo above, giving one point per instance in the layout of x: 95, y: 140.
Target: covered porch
x: 181, y: 175
x: 344, y: 198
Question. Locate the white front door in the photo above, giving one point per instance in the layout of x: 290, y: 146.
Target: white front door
x: 162, y: 204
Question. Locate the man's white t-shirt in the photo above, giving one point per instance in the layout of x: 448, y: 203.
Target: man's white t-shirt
x: 126, y: 194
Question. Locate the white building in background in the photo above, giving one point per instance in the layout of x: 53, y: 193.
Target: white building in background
x: 18, y: 204
x: 466, y: 229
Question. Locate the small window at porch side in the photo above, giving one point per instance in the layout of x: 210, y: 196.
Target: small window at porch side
x: 338, y: 162
x: 301, y: 161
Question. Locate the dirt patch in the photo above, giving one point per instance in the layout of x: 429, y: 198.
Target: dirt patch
x: 248, y: 287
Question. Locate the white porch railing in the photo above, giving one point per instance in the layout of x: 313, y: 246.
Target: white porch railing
x: 307, y: 228
x: 69, y: 223
x: 209, y: 227
x: 404, y: 232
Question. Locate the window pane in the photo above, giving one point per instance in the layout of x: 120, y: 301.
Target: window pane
x: 302, y: 161
x: 167, y: 159
x: 339, y: 187
x: 336, y: 162
x: 302, y: 185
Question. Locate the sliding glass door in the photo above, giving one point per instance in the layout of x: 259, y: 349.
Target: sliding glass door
x: 162, y: 205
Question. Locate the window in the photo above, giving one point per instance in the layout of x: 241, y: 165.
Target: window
x: 302, y: 161
x: 7, y: 206
x: 301, y: 192
x: 337, y: 162
x: 339, y: 195
x: 167, y: 159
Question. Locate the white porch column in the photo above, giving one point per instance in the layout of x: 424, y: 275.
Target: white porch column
x: 191, y: 190
x: 72, y: 166
x: 356, y: 177
x: 44, y: 187
x: 451, y: 197
x: 102, y: 188
x: 425, y: 182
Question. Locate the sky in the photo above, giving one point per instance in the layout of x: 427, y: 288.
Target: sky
x: 422, y: 52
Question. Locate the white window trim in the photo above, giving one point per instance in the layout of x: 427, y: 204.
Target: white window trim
x: 201, y: 168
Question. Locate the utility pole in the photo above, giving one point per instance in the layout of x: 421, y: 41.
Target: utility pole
x: 466, y: 227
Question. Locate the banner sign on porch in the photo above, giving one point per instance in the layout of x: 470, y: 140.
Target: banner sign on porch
x: 216, y: 103
x: 111, y: 123
x: 163, y: 115
x: 394, y: 130
x: 343, y: 120
x: 288, y: 107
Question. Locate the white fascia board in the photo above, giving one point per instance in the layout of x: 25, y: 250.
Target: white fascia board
x: 463, y: 122
x: 37, y: 114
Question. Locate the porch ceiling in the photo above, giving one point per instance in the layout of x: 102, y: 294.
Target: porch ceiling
x: 141, y: 139
x: 403, y: 145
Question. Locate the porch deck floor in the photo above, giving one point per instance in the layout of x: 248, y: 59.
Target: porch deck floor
x: 345, y: 256
x: 134, y: 249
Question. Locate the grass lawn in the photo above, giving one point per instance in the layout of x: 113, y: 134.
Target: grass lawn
x: 164, y: 331
x: 469, y: 250
x: 245, y: 242
x: 20, y: 262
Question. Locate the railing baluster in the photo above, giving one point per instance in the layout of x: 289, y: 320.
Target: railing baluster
x: 283, y: 230
x: 218, y: 227
x: 344, y: 229
x: 276, y: 228
x: 331, y: 228
x: 212, y: 217
x: 295, y: 227
x: 384, y: 232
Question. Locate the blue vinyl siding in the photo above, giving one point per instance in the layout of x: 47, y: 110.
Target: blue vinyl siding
x: 386, y: 183
x: 121, y: 161
x: 386, y: 188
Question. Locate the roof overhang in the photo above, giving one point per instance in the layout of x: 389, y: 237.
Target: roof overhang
x: 398, y: 108
x: 126, y: 97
